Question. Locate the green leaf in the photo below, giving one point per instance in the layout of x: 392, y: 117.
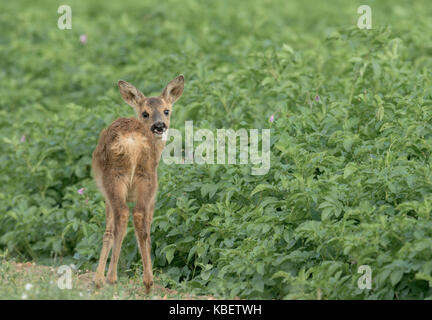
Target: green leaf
x: 169, y: 253
x: 260, y: 188
x: 349, y: 170
x: 260, y: 267
x: 396, y: 276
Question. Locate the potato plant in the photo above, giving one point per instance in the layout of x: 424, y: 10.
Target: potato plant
x: 350, y: 113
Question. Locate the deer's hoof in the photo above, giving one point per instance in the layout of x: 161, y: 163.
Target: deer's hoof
x: 112, y: 280
x: 148, y: 286
x: 99, y: 282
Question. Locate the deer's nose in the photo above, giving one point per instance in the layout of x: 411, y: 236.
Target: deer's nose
x: 158, y: 127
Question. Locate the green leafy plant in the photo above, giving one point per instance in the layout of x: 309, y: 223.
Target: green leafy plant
x: 351, y: 141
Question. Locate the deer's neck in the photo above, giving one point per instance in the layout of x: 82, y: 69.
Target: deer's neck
x: 157, y: 147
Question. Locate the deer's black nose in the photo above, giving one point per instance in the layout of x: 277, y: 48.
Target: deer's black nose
x: 158, y: 127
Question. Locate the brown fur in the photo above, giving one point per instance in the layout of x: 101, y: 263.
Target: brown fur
x: 125, y: 165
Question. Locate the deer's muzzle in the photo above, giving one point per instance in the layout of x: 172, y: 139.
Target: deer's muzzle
x: 158, y: 127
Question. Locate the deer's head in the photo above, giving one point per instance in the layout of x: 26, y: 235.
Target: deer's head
x: 153, y: 112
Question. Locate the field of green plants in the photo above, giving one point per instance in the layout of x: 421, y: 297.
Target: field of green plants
x: 350, y: 182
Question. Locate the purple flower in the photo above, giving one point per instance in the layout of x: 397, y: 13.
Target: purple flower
x: 81, y: 191
x: 23, y: 138
x: 271, y: 118
x: 317, y: 98
x: 83, y: 39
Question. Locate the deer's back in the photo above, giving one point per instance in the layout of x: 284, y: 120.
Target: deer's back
x: 124, y: 152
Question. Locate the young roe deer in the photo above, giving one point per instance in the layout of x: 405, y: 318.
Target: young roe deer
x: 125, y: 165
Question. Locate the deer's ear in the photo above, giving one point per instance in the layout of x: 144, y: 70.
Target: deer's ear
x: 131, y: 95
x: 174, y: 89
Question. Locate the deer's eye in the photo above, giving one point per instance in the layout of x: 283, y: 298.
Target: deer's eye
x: 166, y: 112
x: 145, y: 114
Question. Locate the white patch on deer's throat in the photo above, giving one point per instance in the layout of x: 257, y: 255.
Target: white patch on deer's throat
x: 165, y: 135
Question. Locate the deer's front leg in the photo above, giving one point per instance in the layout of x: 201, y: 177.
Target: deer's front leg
x: 142, y: 217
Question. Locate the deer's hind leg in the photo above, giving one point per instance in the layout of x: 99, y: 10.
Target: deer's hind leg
x: 145, y: 191
x: 106, y: 246
x: 116, y: 191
